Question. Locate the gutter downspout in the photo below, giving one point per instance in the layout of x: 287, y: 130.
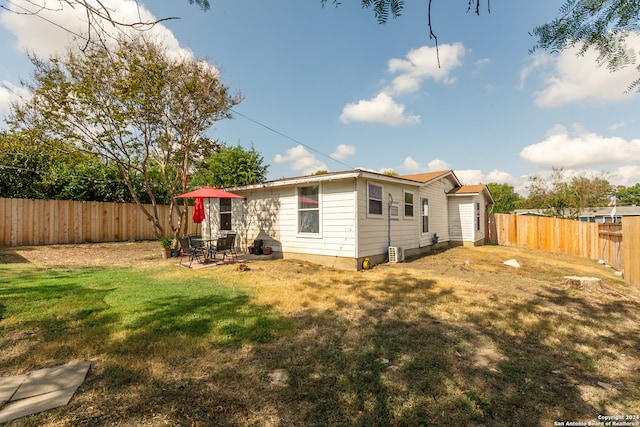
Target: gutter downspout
x: 356, y: 213
x: 389, y: 219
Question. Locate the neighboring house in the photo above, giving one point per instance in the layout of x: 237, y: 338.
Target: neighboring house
x: 339, y: 219
x: 601, y: 215
x: 608, y: 214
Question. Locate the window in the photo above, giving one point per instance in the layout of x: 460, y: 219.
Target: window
x: 225, y: 214
x: 478, y: 216
x: 425, y: 215
x: 408, y: 204
x: 309, y: 209
x: 374, y: 194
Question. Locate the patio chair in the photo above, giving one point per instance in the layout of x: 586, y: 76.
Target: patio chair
x: 226, y: 246
x: 231, y: 242
x: 192, y: 250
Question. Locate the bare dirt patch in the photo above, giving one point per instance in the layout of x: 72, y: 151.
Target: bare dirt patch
x: 86, y: 254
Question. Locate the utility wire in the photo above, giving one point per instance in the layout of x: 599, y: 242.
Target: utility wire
x: 291, y: 139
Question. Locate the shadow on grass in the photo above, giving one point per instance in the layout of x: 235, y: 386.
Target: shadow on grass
x: 9, y: 255
x: 391, y: 358
x: 508, y: 365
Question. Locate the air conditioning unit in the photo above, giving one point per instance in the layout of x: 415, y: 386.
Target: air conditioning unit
x: 396, y: 254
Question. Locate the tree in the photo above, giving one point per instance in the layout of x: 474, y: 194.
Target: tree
x: 33, y: 168
x: 600, y: 24
x: 566, y: 198
x: 230, y: 166
x: 382, y: 9
x: 26, y: 170
x: 97, y: 13
x: 628, y: 196
x: 139, y: 109
x: 603, y: 25
x: 504, y: 196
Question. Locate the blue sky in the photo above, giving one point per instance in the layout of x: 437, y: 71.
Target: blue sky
x: 329, y: 88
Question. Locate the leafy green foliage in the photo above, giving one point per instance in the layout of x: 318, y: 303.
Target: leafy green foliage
x: 602, y: 25
x: 230, y: 166
x: 562, y: 197
x: 135, y: 107
x: 504, y: 196
x: 629, y: 196
x: 204, y: 4
x: 33, y: 167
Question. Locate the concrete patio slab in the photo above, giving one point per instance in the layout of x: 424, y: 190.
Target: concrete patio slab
x: 40, y: 390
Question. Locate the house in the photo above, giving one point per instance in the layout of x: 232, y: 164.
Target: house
x: 600, y: 215
x: 608, y: 214
x: 339, y: 219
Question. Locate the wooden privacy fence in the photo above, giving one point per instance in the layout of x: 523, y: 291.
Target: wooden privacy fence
x: 25, y: 222
x: 631, y: 252
x: 584, y: 239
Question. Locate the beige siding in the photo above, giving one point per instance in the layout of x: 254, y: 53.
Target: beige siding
x: 258, y: 217
x: 461, y: 219
x: 337, y: 236
x: 376, y: 232
x: 438, y: 213
x: 272, y: 215
x: 462, y: 213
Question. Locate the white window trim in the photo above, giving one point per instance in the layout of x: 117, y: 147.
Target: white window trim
x: 422, y: 215
x: 381, y: 214
x: 404, y: 204
x: 299, y: 233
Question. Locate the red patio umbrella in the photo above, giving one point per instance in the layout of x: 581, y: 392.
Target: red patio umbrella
x: 207, y: 192
x: 198, y: 210
x: 210, y: 193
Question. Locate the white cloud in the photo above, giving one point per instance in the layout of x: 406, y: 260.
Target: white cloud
x: 476, y: 176
x: 410, y: 165
x: 569, y: 77
x: 58, y: 25
x: 343, y: 151
x: 438, y: 165
x: 625, y: 175
x: 10, y: 93
x: 421, y: 64
x: 466, y: 176
x: 499, y: 177
x: 381, y: 109
x: 580, y: 149
x: 418, y: 65
x: 301, y: 160
x: 616, y: 126
x: 469, y: 176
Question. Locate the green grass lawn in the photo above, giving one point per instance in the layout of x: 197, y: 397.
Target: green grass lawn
x: 436, y: 341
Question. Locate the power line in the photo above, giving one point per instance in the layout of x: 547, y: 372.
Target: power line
x: 291, y: 139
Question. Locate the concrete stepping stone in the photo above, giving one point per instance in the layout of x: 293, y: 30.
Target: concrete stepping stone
x: 40, y: 390
x: 9, y: 386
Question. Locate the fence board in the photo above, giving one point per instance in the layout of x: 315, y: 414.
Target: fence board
x: 584, y: 239
x: 45, y: 222
x: 631, y: 249
x: 610, y: 239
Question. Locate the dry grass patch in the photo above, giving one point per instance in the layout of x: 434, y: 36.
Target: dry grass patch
x: 455, y: 338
